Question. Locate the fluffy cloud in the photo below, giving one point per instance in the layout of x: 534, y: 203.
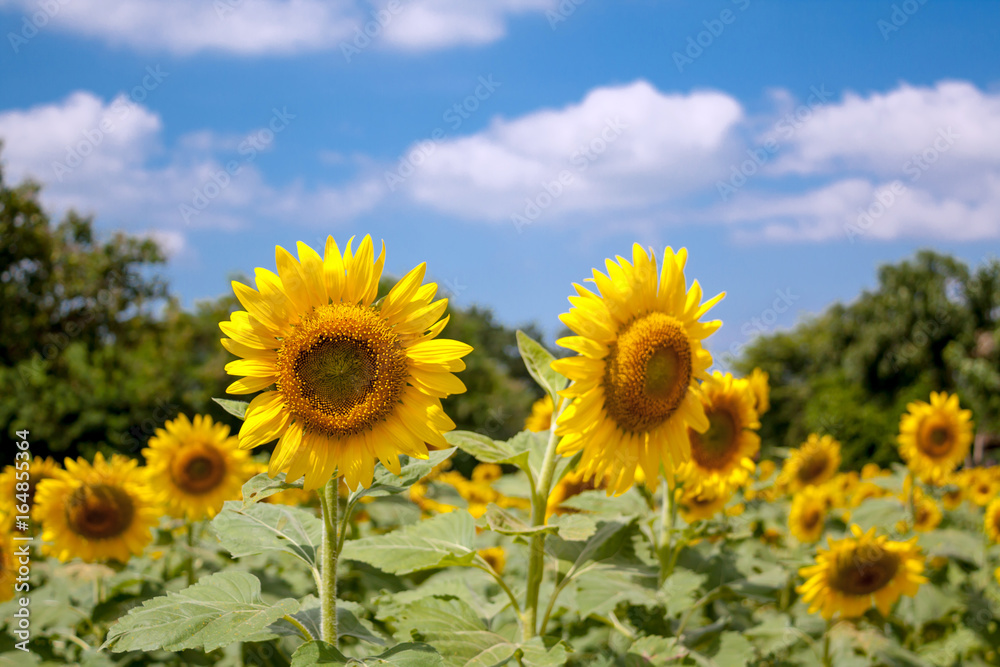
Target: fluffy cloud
x: 108, y: 158
x: 619, y: 148
x: 251, y: 27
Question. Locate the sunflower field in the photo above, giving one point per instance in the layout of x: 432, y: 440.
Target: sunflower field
x: 635, y: 520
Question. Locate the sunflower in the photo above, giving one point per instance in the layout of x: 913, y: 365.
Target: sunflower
x: 702, y: 504
x: 8, y: 565
x: 872, y: 470
x: 807, y: 516
x: 758, y: 383
x: 540, y: 418
x: 992, y: 520
x: 495, y: 558
x: 354, y: 380
x: 926, y: 513
x: 934, y: 437
x: 39, y: 469
x: 295, y: 497
x: 572, y: 484
x: 814, y: 462
x: 855, y: 573
x: 193, y: 467
x: 634, y: 387
x: 953, y: 492
x: 981, y: 486
x: 99, y: 511
x: 723, y: 455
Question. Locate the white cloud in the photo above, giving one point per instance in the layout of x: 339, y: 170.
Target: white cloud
x: 620, y: 147
x: 108, y: 159
x: 252, y: 27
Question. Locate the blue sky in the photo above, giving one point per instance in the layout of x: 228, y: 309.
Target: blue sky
x: 754, y: 133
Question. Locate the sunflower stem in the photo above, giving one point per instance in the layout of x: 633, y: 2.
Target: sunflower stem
x: 190, y: 563
x: 912, y: 499
x: 539, y: 503
x: 329, y: 553
x: 667, y: 510
x: 827, y: 662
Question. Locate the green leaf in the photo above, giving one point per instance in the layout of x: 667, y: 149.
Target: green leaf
x: 881, y: 513
x: 454, y: 629
x: 259, y: 528
x: 654, y: 650
x: 501, y: 521
x: 534, y: 653
x: 681, y: 590
x: 951, y: 543
x: 734, y: 650
x: 220, y: 609
x: 600, y: 590
x: 441, y: 541
x: 538, y: 361
x: 310, y: 614
x: 262, y: 486
x: 574, y: 527
x: 237, y: 409
x: 402, y: 655
x: 609, y: 538
x: 514, y: 451
x: 411, y: 470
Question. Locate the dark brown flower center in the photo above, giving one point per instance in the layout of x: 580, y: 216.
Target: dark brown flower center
x: 864, y: 570
x: 647, y: 372
x: 716, y: 447
x: 198, y: 468
x: 99, y: 511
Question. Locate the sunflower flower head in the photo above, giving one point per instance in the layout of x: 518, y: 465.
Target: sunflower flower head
x: 96, y: 512
x: 934, y: 437
x: 541, y: 415
x: 815, y: 462
x: 40, y: 468
x: 702, y: 503
x: 194, y: 466
x: 857, y: 573
x: 354, y: 380
x: 634, y: 391
x: 807, y: 516
x: 8, y: 565
x: 991, y: 521
x: 723, y: 454
x: 758, y: 384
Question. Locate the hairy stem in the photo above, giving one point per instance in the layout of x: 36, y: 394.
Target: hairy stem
x: 330, y: 502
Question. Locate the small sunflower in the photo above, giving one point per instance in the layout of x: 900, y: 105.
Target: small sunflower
x: 634, y: 387
x: 814, y: 462
x: 572, y: 484
x: 195, y: 466
x: 99, y: 511
x: 39, y: 469
x: 702, y: 504
x: 991, y: 521
x: 859, y: 572
x: 723, y: 454
x: 926, y: 513
x: 758, y: 383
x: 934, y: 437
x: 807, y: 516
x: 8, y: 565
x: 355, y: 381
x: 873, y: 470
x: 953, y: 493
x: 495, y: 558
x: 541, y: 415
x: 981, y: 486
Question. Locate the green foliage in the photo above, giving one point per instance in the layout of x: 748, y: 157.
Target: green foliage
x: 930, y: 325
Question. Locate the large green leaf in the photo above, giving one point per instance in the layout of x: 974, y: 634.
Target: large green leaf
x: 600, y: 590
x: 653, y: 650
x: 606, y: 542
x: 514, y: 451
x: 734, y: 650
x: 259, y: 528
x: 501, y: 521
x: 441, y: 541
x: 538, y: 361
x: 220, y: 609
x: 454, y: 629
x: 237, y: 409
x: 261, y: 486
x: 310, y: 616
x: 386, y: 483
x: 402, y: 655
